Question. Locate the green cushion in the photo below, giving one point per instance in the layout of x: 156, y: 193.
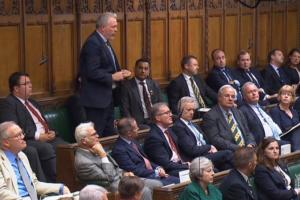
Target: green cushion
x: 294, y: 169
x: 58, y: 120
x: 164, y: 97
x: 117, y: 113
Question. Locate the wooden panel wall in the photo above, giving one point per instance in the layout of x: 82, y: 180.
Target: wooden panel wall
x: 44, y: 37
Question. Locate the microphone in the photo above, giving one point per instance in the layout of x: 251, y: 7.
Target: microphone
x: 43, y: 60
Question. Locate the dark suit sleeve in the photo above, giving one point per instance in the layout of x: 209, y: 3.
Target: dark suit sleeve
x: 267, y: 185
x: 156, y: 92
x: 275, y: 115
x: 235, y: 191
x: 173, y: 96
x: 157, y: 152
x: 125, y: 101
x: 6, y: 112
x: 186, y: 146
x: 248, y: 136
x: 208, y: 92
x: 212, y: 128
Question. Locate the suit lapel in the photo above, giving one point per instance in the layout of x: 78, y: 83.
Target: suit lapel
x: 136, y: 93
x: 161, y: 134
x: 189, y: 132
x: 24, y: 113
x: 184, y: 85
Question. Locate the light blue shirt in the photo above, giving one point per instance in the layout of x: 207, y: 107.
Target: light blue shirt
x: 195, y: 131
x: 21, y: 186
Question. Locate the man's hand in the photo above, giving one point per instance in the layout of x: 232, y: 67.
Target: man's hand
x: 126, y: 73
x: 128, y: 174
x: 118, y: 76
x: 251, y: 145
x: 98, y: 149
x: 45, y: 137
x: 66, y: 190
x: 162, y: 173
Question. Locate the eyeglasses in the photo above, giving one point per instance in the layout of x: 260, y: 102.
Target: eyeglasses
x: 165, y: 113
x: 26, y: 83
x: 19, y: 136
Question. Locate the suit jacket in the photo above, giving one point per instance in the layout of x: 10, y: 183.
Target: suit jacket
x: 90, y: 168
x: 129, y: 160
x: 218, y: 131
x: 270, y: 184
x: 131, y: 104
x: 187, y: 141
x: 96, y: 69
x: 254, y: 123
x: 12, y: 109
x: 272, y: 81
x: 242, y: 77
x: 158, y: 150
x: 8, y: 181
x: 178, y: 88
x: 292, y: 74
x: 234, y: 187
x: 217, y: 79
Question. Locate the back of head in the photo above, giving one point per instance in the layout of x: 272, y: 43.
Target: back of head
x: 243, y: 156
x: 125, y: 125
x: 93, y: 192
x: 130, y: 187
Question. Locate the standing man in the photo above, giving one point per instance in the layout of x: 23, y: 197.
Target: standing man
x: 101, y: 74
x: 189, y: 83
x: 139, y: 94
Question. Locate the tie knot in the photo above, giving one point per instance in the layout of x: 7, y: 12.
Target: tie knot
x: 142, y: 82
x: 108, y: 43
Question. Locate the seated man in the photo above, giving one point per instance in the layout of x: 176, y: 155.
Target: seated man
x: 131, y: 157
x: 93, y: 192
x: 17, y: 181
x: 191, y: 139
x: 190, y: 84
x: 237, y: 185
x: 259, y: 122
x: 94, y: 165
x: 20, y: 108
x: 130, y: 187
x: 139, y: 93
x: 226, y: 126
x: 161, y: 144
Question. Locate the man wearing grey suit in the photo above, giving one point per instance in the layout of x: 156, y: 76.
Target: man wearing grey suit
x: 94, y: 165
x: 226, y: 126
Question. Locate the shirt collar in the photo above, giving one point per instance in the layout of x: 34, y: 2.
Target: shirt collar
x: 161, y: 128
x: 126, y: 140
x: 20, y: 99
x: 10, y: 155
x: 184, y: 121
x: 186, y: 77
x: 244, y: 175
x: 105, y: 40
x: 138, y: 81
x: 274, y: 67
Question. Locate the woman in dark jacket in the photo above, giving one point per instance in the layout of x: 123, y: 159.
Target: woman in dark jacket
x: 272, y: 178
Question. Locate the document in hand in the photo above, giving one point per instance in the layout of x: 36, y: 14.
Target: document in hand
x: 291, y: 130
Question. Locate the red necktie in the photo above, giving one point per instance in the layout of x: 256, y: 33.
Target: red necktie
x: 172, y: 143
x: 147, y: 162
x: 38, y: 116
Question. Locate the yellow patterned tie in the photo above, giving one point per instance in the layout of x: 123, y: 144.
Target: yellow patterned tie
x: 237, y: 135
x: 197, y: 94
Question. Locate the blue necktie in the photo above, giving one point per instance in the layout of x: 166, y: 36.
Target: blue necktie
x: 198, y: 135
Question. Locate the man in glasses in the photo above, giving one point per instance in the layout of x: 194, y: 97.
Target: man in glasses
x: 26, y: 112
x: 17, y: 181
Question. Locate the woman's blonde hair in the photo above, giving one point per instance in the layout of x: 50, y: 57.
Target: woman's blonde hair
x: 287, y: 89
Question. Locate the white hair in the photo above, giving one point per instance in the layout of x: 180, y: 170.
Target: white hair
x: 92, y: 192
x: 198, y: 165
x: 81, y: 131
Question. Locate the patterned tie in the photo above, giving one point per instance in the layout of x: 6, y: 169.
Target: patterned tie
x: 237, y: 135
x: 26, y: 180
x: 146, y: 98
x: 197, y: 94
x: 252, y: 78
x: 147, y: 162
x: 38, y: 116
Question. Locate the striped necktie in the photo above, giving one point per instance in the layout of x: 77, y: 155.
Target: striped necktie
x: 197, y: 94
x: 237, y: 135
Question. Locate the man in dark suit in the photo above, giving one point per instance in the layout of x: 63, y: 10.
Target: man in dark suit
x: 274, y: 75
x: 259, y: 122
x: 139, y: 94
x: 226, y: 126
x: 161, y: 144
x: 131, y: 157
x: 189, y: 83
x: 237, y: 184
x: 100, y: 74
x: 245, y: 73
x: 26, y: 112
x: 192, y: 141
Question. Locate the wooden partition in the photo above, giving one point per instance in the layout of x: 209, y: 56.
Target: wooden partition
x: 44, y: 37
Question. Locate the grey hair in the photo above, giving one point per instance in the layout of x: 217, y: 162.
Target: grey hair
x: 198, y: 165
x: 245, y: 87
x: 183, y: 101
x: 92, y: 192
x: 221, y: 90
x: 3, y: 130
x: 81, y: 131
x: 102, y: 20
x: 155, y: 109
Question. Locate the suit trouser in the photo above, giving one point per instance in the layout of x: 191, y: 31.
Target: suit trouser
x: 35, y: 164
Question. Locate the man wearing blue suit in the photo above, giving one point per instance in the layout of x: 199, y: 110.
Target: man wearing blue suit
x: 161, y: 144
x: 131, y: 157
x: 237, y: 185
x: 274, y: 75
x: 192, y: 140
x: 100, y: 73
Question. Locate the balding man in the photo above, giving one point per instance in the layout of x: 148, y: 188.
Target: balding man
x: 226, y: 126
x: 17, y: 181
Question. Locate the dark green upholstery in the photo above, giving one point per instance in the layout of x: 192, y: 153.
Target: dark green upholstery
x: 58, y: 119
x: 294, y: 169
x: 164, y: 97
x: 117, y: 113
